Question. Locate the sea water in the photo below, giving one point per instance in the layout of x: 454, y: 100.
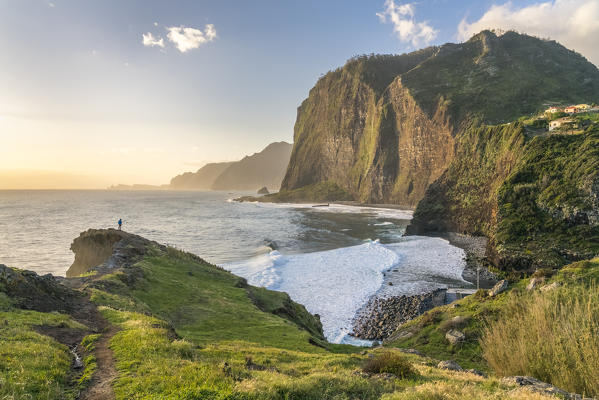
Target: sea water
x: 330, y: 259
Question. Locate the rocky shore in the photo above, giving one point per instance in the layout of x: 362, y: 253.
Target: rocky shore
x: 385, y: 312
x: 380, y: 317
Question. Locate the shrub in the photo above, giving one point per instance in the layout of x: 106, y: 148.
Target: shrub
x: 551, y: 336
x: 390, y: 363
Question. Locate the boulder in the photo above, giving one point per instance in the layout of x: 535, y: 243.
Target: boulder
x: 454, y: 336
x: 551, y: 286
x: 499, y: 287
x: 477, y: 372
x: 450, y: 365
x: 263, y: 190
x: 535, y: 282
x: 538, y: 386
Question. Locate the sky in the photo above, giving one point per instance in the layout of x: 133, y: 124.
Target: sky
x: 95, y: 93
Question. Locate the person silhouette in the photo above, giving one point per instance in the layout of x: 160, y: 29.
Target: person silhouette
x: 120, y: 223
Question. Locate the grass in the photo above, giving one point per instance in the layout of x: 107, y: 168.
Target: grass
x: 426, y: 333
x: 32, y: 365
x: 391, y: 363
x: 551, y: 335
x: 221, y: 339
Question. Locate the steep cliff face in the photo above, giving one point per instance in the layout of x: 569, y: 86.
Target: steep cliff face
x: 534, y: 195
x: 202, y: 179
x: 383, y: 128
x: 265, y: 168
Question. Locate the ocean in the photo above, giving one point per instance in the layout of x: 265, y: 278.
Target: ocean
x: 330, y: 259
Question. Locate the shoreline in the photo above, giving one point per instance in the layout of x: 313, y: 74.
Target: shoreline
x: 385, y: 312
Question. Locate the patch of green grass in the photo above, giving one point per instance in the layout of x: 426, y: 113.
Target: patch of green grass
x: 427, y: 332
x: 33, y: 365
x: 391, y: 363
x: 551, y: 335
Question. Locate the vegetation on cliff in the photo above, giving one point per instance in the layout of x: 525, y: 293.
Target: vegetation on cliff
x: 383, y: 127
x: 534, y: 195
x: 546, y: 330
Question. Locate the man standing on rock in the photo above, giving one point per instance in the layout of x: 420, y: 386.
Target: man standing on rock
x: 120, y: 223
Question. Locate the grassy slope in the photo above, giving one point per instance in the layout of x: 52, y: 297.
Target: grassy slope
x: 33, y: 365
x: 206, y: 339
x: 516, y: 307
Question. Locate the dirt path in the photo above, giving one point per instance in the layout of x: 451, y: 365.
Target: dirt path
x: 100, y: 387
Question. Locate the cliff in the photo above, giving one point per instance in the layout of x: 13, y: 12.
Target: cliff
x: 202, y: 179
x: 535, y: 195
x: 383, y: 128
x: 265, y: 168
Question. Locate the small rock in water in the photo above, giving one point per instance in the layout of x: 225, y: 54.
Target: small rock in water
x: 450, y: 365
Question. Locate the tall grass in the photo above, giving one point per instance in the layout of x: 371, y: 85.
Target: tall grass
x: 553, y: 336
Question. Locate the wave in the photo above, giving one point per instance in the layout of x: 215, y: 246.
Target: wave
x: 334, y: 284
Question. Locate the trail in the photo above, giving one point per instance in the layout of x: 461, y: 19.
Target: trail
x: 100, y: 387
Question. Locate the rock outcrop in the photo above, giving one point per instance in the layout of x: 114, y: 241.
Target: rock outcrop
x: 538, y: 386
x: 106, y: 247
x: 382, y: 316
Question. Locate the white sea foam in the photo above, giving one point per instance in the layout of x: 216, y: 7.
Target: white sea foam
x: 384, y: 223
x: 427, y: 263
x: 334, y: 284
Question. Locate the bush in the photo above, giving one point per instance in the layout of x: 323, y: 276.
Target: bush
x: 390, y: 363
x: 551, y: 336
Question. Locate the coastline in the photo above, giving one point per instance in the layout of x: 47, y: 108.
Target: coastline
x: 389, y: 307
x: 385, y: 312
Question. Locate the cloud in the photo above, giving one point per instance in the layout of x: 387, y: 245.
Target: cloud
x: 406, y: 28
x: 150, y: 41
x: 573, y: 23
x: 186, y: 39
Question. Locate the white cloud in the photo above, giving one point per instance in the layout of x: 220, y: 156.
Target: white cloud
x: 149, y: 40
x: 405, y: 26
x: 573, y: 23
x: 186, y: 39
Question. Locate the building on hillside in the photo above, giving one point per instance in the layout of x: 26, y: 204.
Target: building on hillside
x: 562, y: 123
x: 571, y: 110
x: 583, y: 107
x: 552, y: 110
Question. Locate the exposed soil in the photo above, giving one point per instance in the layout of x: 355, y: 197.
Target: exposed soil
x: 85, y: 312
x: 100, y: 387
